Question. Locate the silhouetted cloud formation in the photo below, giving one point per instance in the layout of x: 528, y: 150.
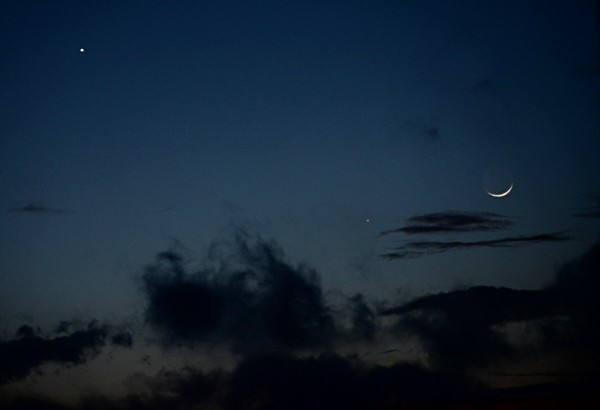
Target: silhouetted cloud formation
x: 122, y: 339
x: 38, y: 209
x: 459, y: 330
x: 29, y: 350
x: 362, y: 318
x: 70, y: 344
x: 416, y: 249
x: 594, y: 210
x: 253, y: 300
x: 462, y: 328
x: 452, y: 222
x: 456, y: 327
x: 270, y: 382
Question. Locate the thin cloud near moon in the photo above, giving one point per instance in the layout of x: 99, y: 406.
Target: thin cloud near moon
x: 460, y: 222
x: 452, y: 222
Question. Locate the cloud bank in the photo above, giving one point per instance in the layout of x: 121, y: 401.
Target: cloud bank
x: 273, y: 315
x: 473, y: 327
x: 29, y: 350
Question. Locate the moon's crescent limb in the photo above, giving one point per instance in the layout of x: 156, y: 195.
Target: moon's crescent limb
x: 502, y: 194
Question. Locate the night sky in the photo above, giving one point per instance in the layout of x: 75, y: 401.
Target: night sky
x: 273, y: 204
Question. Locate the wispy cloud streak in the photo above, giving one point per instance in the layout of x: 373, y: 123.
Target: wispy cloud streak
x: 416, y: 249
x: 452, y: 222
x: 37, y: 208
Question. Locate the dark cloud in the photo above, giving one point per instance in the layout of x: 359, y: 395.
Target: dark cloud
x: 453, y: 222
x: 486, y: 87
x: 38, y: 209
x: 416, y: 128
x: 28, y: 351
x: 280, y: 381
x: 416, y: 249
x: 270, y: 382
x: 122, y: 339
x: 362, y: 318
x: 273, y: 382
x: 546, y: 374
x: 306, y: 387
x: 592, y: 211
x: 460, y: 329
x: 186, y: 388
x: 29, y: 403
x: 63, y: 327
x: 253, y: 300
x: 577, y: 284
x: 71, y: 343
x: 456, y: 327
x: 494, y: 304
x: 432, y: 133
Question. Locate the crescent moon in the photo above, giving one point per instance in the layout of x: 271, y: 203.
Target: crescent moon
x: 502, y: 194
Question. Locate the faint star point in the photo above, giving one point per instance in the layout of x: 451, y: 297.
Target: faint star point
x: 81, y: 50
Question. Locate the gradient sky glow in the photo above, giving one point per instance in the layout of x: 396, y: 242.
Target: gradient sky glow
x: 296, y: 121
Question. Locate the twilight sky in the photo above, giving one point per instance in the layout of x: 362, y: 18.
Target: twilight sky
x: 241, y: 185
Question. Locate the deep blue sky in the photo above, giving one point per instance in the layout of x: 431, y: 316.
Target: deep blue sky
x: 317, y: 124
